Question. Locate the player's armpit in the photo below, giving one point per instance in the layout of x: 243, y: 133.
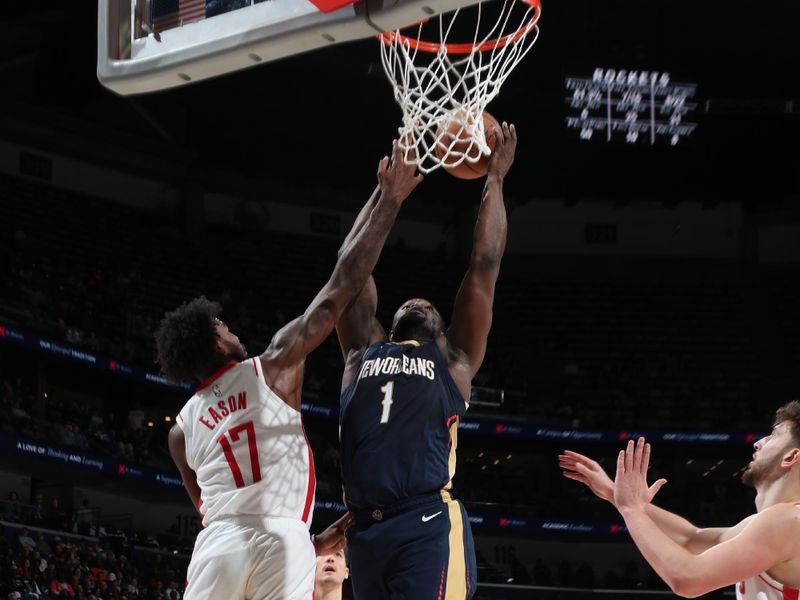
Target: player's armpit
x: 357, y: 328
x: 283, y: 361
x: 472, y: 316
x: 472, y: 312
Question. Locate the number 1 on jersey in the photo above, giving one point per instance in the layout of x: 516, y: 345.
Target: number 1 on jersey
x: 387, y: 390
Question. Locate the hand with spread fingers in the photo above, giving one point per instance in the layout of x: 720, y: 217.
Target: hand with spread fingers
x: 581, y: 468
x: 630, y: 484
x: 397, y: 178
x: 588, y: 472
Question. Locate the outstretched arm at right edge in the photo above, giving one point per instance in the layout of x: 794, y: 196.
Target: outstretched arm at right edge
x: 695, y: 539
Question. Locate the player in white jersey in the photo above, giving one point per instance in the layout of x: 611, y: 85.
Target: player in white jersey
x: 760, y: 555
x: 239, y: 442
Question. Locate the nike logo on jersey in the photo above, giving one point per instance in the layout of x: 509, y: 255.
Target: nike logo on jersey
x: 426, y: 518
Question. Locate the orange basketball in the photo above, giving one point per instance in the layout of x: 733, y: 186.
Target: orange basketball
x: 453, y: 129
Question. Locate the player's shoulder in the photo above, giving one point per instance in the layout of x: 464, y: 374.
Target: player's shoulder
x: 216, y: 384
x: 175, y: 432
x: 781, y: 519
x: 375, y: 347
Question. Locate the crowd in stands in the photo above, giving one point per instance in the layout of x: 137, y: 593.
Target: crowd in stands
x: 505, y: 476
x: 99, y: 276
x: 80, y: 421
x: 87, y: 272
x: 51, y: 561
x: 47, y: 553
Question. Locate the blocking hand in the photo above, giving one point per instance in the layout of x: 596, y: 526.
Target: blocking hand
x: 397, y: 179
x: 505, y: 147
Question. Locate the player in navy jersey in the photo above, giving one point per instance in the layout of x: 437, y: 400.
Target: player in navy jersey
x: 402, y: 398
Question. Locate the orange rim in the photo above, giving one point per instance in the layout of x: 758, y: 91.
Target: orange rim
x: 391, y: 37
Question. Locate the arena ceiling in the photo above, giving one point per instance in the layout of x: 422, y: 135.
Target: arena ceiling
x: 328, y: 115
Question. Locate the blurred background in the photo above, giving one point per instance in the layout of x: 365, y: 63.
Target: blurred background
x: 646, y: 288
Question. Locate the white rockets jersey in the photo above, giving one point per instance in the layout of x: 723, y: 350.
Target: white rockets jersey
x: 247, y: 447
x: 764, y: 587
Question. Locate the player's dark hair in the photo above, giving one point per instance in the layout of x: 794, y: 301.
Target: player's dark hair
x: 790, y: 413
x: 186, y: 340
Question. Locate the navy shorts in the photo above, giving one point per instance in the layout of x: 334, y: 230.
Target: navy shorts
x: 419, y: 549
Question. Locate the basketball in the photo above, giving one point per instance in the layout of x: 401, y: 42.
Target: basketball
x: 453, y: 129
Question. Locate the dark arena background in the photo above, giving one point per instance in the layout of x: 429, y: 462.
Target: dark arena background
x: 648, y: 286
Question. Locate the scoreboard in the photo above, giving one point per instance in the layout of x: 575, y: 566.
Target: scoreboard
x: 637, y: 106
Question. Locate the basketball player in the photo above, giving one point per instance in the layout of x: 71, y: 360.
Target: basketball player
x: 761, y: 554
x: 402, y: 398
x: 331, y: 572
x: 239, y: 442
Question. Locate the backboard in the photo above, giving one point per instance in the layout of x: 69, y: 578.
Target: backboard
x: 149, y: 45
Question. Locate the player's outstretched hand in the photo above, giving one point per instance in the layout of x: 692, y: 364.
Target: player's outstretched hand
x: 504, y: 149
x: 397, y: 179
x: 630, y: 484
x: 588, y: 472
x: 332, y: 539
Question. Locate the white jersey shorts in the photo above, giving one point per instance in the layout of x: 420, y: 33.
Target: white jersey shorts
x: 249, y: 558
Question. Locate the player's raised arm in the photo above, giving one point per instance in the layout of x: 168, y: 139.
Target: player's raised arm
x: 285, y: 356
x: 774, y: 532
x: 472, y: 312
x: 358, y: 328
x: 695, y: 539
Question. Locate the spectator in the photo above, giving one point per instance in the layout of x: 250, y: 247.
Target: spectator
x: 518, y: 572
x: 584, y: 577
x: 84, y: 518
x: 541, y: 574
x: 56, y: 517
x: 26, y: 541
x: 13, y: 510
x: 59, y: 586
x: 41, y: 544
x: 136, y: 419
x: 37, y: 510
x: 565, y: 576
x: 631, y: 578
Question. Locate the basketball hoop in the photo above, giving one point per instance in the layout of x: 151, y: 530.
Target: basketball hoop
x: 438, y: 82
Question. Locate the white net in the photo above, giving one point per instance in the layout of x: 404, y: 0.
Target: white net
x: 437, y: 84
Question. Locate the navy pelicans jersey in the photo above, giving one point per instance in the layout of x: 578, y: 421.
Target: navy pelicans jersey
x: 399, y: 417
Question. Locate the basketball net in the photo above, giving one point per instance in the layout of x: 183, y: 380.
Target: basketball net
x: 436, y: 83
